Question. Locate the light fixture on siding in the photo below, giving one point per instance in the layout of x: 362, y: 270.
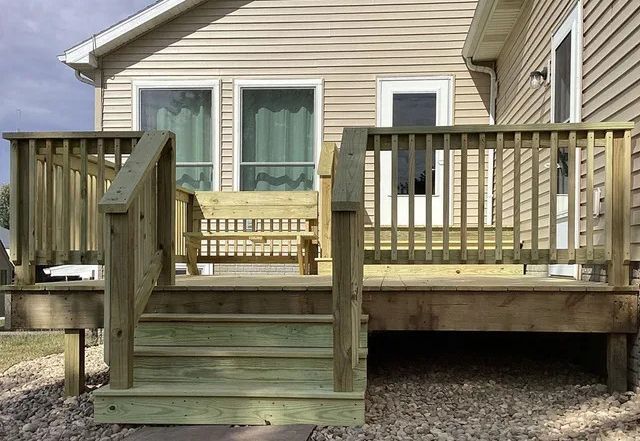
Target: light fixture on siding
x: 538, y: 78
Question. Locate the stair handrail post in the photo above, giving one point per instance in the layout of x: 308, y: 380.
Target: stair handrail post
x: 347, y: 227
x: 140, y: 244
x: 326, y: 171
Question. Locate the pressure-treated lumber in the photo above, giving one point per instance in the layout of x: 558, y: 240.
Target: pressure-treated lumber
x: 617, y: 362
x: 74, y: 378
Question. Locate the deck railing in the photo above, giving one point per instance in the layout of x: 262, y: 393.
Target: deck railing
x: 524, y: 205
x: 57, y: 180
x: 140, y: 252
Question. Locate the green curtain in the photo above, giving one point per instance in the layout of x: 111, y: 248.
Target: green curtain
x: 187, y: 113
x: 277, y: 127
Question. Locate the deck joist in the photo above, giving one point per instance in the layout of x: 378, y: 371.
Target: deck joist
x: 451, y: 303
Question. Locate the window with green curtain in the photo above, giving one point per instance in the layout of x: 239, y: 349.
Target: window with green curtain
x: 278, y: 136
x: 187, y: 113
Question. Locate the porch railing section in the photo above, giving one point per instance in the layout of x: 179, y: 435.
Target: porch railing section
x: 139, y: 210
x: 524, y: 206
x: 57, y: 180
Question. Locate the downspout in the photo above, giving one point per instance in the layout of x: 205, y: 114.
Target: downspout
x: 84, y: 79
x: 492, y: 120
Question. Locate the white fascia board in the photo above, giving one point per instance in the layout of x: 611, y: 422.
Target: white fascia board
x: 475, y: 34
x: 84, y: 53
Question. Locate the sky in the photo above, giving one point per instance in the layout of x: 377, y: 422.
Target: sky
x: 38, y: 92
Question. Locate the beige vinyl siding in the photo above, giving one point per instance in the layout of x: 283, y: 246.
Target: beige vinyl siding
x: 611, y: 80
x: 528, y: 48
x: 348, y: 44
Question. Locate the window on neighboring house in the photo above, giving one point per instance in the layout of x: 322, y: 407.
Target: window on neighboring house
x: 187, y: 113
x: 278, y: 138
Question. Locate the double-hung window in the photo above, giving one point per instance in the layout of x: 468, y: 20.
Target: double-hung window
x: 278, y: 133
x: 188, y: 109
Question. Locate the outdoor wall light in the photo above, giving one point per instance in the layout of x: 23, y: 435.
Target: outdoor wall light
x: 538, y: 78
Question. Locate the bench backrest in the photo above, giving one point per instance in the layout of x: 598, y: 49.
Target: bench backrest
x: 256, y: 205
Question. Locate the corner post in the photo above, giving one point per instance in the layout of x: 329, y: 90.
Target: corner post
x: 618, y: 191
x: 347, y: 235
x: 21, y: 216
x: 166, y: 225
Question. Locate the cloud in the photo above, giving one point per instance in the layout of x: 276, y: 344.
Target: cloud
x: 37, y: 92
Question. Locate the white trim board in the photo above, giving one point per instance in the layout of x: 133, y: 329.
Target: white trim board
x: 238, y: 84
x: 200, y: 84
x: 83, y: 55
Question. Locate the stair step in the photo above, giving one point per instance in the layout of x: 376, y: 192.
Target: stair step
x: 289, y: 330
x: 237, y: 404
x: 258, y: 366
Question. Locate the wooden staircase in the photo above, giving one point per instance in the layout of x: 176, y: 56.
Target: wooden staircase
x: 235, y: 369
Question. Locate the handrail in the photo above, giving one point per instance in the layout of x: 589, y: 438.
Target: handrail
x: 128, y: 183
x: 511, y: 128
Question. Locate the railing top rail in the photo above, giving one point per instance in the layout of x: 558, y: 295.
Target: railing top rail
x: 348, y: 187
x: 71, y: 135
x: 484, y: 128
x: 128, y: 181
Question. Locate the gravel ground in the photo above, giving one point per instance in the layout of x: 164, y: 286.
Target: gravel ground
x: 444, y: 397
x: 33, y: 406
x: 457, y: 398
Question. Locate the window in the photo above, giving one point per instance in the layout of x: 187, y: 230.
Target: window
x: 565, y: 88
x: 414, y: 109
x: 278, y: 137
x: 188, y: 111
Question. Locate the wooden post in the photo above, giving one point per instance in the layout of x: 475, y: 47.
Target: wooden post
x: 618, y: 194
x: 121, y: 287
x: 73, y: 362
x: 617, y: 362
x: 166, y: 213
x: 347, y: 234
x: 19, y: 220
x: 326, y: 167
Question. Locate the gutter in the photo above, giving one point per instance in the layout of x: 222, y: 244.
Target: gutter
x: 492, y: 120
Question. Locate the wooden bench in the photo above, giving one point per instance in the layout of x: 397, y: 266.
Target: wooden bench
x: 259, y: 218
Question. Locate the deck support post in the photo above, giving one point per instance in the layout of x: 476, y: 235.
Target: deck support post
x: 617, y: 362
x: 73, y: 362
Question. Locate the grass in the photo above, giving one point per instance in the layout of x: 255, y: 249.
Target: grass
x: 17, y: 347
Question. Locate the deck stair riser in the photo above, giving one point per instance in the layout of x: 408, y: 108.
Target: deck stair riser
x: 235, y: 369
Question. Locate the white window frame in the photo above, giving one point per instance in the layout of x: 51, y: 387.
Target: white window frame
x: 444, y: 110
x: 187, y: 84
x: 571, y: 25
x: 239, y: 84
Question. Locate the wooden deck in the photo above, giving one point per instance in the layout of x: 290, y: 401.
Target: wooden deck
x: 400, y: 302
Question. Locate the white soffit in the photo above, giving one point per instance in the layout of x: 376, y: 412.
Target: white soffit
x: 492, y: 24
x: 83, y: 55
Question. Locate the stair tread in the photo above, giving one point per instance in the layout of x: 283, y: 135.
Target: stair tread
x: 241, y: 351
x: 236, y: 390
x: 241, y: 318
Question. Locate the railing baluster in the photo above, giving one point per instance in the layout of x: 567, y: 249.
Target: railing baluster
x: 445, y: 197
x: 49, y: 231
x: 482, y: 142
x: 535, y: 172
x: 590, y: 195
x: 66, y: 198
x: 99, y: 193
x: 463, y: 196
x: 32, y: 200
x: 117, y: 154
x: 516, y: 195
x: 499, y: 172
x: 394, y: 197
x: 553, y: 199
x: 376, y: 197
x: 571, y: 239
x: 428, y: 166
x: 412, y: 196
x: 84, y: 221
x: 15, y: 250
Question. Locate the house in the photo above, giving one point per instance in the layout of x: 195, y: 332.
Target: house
x: 241, y: 103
